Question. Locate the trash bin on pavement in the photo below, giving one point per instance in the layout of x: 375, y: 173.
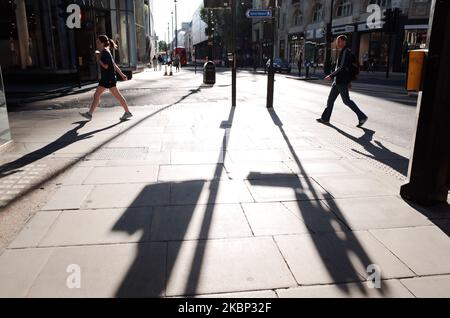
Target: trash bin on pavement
x: 209, y: 73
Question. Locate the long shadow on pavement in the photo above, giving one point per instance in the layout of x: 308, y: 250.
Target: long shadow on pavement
x: 138, y: 281
x: 381, y: 153
x: 336, y: 257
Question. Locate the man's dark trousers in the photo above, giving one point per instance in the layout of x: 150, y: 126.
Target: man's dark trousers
x: 336, y: 90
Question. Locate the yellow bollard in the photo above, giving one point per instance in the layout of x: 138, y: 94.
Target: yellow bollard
x: 416, y: 69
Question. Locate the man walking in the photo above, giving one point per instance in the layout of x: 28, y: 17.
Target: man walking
x: 342, y: 78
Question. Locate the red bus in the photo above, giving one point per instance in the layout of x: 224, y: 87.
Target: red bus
x: 181, y: 51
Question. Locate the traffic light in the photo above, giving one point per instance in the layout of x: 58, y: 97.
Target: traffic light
x: 216, y: 4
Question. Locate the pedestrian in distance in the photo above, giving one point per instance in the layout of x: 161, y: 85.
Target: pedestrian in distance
x: 108, y: 79
x: 155, y: 63
x: 300, y: 64
x: 177, y: 63
x: 347, y: 68
x: 160, y: 62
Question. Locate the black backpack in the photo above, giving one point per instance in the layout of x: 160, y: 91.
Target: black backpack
x: 354, y: 68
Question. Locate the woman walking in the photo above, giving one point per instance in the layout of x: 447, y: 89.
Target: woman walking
x: 108, y: 77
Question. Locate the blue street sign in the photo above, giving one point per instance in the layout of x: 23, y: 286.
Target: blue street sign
x: 254, y: 13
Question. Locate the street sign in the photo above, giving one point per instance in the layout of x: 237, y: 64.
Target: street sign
x: 256, y: 13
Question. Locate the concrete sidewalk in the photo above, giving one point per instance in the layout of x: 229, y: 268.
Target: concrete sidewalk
x: 197, y: 199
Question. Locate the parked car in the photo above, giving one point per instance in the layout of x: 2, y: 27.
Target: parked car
x: 281, y: 66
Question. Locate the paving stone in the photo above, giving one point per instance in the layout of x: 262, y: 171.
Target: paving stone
x: 68, y: 198
x: 317, y: 216
x: 320, y: 167
x: 197, y: 268
x: 377, y: 213
x: 191, y: 172
x: 125, y: 270
x: 18, y: 270
x: 429, y: 287
x: 284, y: 188
x: 197, y: 157
x: 77, y: 176
x: 199, y: 222
x: 249, y: 295
x: 35, y: 230
x: 337, y: 257
x: 273, y: 219
x: 128, y: 195
x: 426, y: 250
x: 203, y: 192
x: 389, y: 289
x: 100, y: 227
x: 239, y: 156
x: 243, y: 171
x: 356, y: 186
x: 127, y: 174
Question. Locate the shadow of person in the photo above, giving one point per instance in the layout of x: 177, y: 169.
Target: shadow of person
x: 70, y: 137
x: 376, y: 150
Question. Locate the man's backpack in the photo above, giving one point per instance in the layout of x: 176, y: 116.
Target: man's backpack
x: 354, y: 68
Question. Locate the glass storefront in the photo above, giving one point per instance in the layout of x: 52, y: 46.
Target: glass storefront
x: 373, y: 48
x: 296, y: 47
x: 5, y: 134
x: 315, y: 52
x: 53, y: 48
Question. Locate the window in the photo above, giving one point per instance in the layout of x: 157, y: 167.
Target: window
x: 297, y: 18
x: 381, y: 3
x: 344, y: 8
x: 318, y: 13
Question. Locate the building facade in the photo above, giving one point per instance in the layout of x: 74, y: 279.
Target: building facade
x: 302, y: 27
x: 35, y: 41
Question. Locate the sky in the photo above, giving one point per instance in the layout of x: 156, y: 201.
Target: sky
x: 161, y: 14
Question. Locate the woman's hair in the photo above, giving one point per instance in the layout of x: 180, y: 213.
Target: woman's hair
x: 107, y: 42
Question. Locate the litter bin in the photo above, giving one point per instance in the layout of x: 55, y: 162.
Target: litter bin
x: 209, y: 73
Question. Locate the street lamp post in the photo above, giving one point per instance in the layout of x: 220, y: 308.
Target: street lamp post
x: 271, y: 71
x: 329, y: 35
x: 176, y: 25
x: 172, y: 30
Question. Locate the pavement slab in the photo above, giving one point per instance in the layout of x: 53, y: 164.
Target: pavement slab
x: 429, y: 286
x: 127, y: 196
x: 375, y: 213
x: 19, y: 269
x: 248, y: 262
x: 199, y: 222
x: 425, y: 250
x: 389, y: 289
x: 125, y: 270
x: 112, y: 226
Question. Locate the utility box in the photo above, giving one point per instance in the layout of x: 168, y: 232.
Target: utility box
x: 416, y: 67
x: 209, y: 73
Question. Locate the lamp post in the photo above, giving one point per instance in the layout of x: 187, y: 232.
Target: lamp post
x: 172, y: 30
x: 176, y: 25
x: 329, y: 35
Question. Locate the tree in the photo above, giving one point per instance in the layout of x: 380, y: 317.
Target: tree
x: 221, y: 22
x: 162, y: 46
